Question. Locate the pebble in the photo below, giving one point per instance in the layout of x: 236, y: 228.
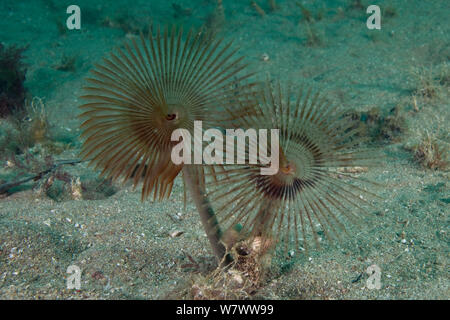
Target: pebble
x: 175, y: 234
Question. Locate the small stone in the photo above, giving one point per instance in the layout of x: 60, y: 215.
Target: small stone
x: 98, y: 275
x: 9, y: 164
x: 75, y: 189
x: 236, y: 277
x: 175, y: 234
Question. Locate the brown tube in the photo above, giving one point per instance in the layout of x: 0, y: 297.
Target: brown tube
x: 207, y: 216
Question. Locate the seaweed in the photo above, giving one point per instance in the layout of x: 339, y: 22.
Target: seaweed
x: 48, y: 177
x: 430, y: 86
x: 26, y: 128
x: 427, y: 84
x: 444, y: 75
x: 12, y: 78
x: 180, y: 12
x: 128, y: 23
x: 377, y: 126
x: 430, y: 154
x: 31, y: 131
x: 389, y: 12
x: 97, y: 189
x: 257, y: 8
x: 67, y: 63
x: 393, y: 126
x: 30, y: 167
x: 356, y: 5
x: 61, y: 27
x: 216, y: 20
x: 273, y: 5
x: 307, y: 15
x: 313, y: 38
